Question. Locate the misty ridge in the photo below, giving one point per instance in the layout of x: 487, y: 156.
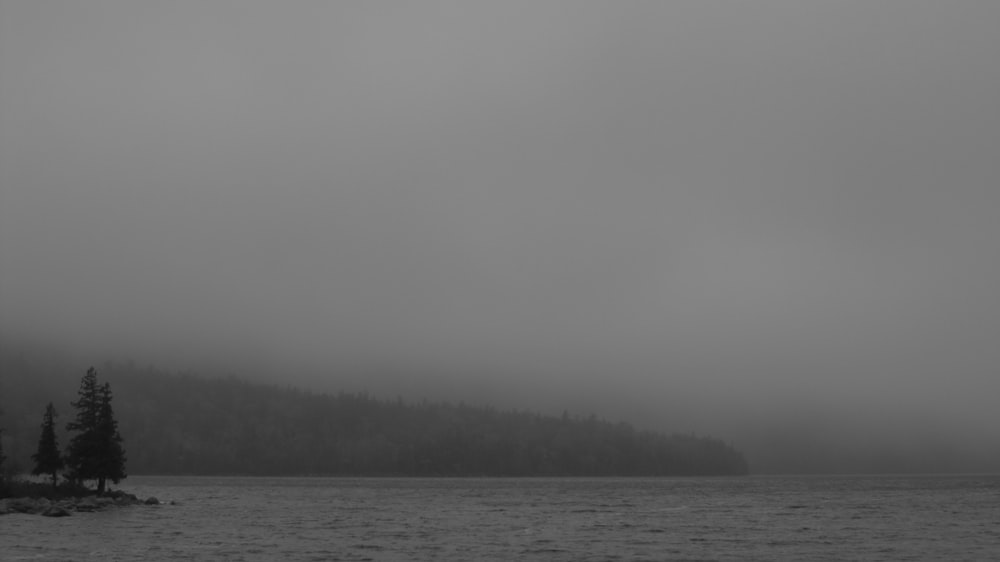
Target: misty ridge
x: 188, y: 424
x: 216, y: 423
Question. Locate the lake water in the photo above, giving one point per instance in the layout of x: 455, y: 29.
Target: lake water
x: 749, y: 518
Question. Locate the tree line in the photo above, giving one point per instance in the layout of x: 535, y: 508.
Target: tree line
x: 187, y: 424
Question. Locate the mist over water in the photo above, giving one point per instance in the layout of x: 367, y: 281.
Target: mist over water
x: 772, y: 223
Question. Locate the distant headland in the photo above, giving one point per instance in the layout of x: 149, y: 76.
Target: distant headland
x: 188, y: 424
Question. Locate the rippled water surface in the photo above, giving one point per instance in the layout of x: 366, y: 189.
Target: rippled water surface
x: 763, y: 518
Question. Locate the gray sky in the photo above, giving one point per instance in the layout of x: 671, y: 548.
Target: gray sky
x: 675, y: 209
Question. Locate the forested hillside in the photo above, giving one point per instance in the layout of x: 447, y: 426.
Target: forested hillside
x: 187, y: 424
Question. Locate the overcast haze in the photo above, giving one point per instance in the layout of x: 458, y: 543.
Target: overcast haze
x: 712, y: 217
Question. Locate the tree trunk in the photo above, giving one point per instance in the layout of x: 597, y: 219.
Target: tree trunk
x: 100, y: 486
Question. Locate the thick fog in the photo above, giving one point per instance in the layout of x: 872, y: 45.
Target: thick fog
x: 777, y: 223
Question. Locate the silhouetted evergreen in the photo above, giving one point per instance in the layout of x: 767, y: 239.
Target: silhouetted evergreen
x: 82, y: 452
x: 95, y: 452
x: 2, y: 459
x: 48, y: 459
x: 110, y: 453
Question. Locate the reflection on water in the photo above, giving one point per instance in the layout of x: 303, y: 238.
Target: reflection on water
x: 767, y: 518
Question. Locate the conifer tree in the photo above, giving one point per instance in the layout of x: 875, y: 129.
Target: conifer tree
x: 2, y: 458
x: 111, y: 455
x: 95, y: 452
x: 47, y: 459
x: 81, y: 453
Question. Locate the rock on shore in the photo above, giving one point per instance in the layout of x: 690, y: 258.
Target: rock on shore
x: 67, y: 506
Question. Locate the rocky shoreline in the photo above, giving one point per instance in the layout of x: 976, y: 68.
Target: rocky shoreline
x: 64, y: 507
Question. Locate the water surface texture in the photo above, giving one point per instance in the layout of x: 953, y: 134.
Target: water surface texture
x: 749, y: 518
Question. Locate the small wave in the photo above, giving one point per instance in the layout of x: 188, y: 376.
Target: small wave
x: 544, y: 550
